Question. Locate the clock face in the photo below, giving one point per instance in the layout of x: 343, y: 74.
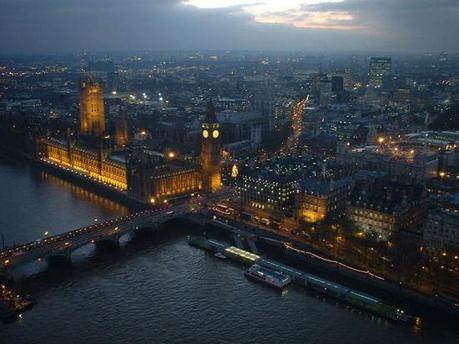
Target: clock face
x: 215, y: 134
x: 205, y: 134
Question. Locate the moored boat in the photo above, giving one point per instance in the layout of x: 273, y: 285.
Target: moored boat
x: 273, y: 278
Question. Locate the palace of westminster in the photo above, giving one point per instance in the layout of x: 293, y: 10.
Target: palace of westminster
x: 143, y: 174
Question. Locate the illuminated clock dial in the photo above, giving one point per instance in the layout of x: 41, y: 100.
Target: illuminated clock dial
x: 205, y: 134
x: 215, y: 134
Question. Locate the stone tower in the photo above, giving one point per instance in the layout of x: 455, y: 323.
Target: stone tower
x: 92, y: 116
x: 210, y: 152
x: 121, y: 130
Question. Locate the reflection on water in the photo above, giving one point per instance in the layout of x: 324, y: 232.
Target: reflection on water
x: 82, y: 194
x: 162, y: 290
x: 35, y: 202
x: 165, y: 291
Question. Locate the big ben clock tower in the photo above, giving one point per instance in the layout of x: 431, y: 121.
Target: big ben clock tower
x: 210, y: 152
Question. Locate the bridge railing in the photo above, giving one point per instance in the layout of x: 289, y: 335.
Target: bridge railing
x: 8, y: 254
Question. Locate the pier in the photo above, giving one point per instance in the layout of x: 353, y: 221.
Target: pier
x: 337, y: 291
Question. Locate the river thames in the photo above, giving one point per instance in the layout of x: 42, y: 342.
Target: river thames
x: 161, y: 290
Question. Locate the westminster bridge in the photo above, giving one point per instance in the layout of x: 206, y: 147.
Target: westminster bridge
x: 109, y: 232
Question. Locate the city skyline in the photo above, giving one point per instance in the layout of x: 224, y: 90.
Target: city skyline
x: 324, y: 26
x: 163, y: 161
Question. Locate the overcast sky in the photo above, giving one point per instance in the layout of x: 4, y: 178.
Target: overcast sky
x: 45, y: 26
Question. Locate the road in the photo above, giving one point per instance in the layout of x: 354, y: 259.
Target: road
x: 82, y: 236
x: 297, y: 127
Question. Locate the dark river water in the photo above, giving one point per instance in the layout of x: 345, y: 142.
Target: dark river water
x: 162, y: 290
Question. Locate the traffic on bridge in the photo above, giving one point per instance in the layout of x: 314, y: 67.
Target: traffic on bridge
x: 67, y: 242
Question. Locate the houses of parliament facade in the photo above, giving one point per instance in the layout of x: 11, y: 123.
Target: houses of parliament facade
x: 142, y: 174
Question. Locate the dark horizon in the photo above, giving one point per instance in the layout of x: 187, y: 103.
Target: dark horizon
x: 167, y: 164
x: 263, y: 53
x: 109, y: 25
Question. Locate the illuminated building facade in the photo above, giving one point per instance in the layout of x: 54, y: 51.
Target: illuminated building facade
x: 90, y: 155
x: 153, y: 179
x: 145, y: 175
x: 94, y: 164
x: 322, y: 198
x: 393, y: 160
x: 210, y: 152
x: 268, y: 192
x: 92, y: 115
x: 385, y: 207
x: 380, y: 68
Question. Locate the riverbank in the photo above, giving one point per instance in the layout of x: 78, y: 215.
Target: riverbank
x: 278, y: 241
x: 387, y: 286
x: 330, y: 289
x: 92, y: 185
x: 67, y: 174
x: 13, y: 303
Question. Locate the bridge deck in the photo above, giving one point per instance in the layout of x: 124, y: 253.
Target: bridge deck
x: 69, y: 241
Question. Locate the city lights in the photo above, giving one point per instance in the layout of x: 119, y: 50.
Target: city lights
x: 349, y: 162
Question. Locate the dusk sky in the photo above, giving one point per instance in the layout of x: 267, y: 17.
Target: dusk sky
x: 50, y: 26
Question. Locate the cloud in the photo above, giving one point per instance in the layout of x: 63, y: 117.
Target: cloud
x: 114, y: 25
x: 418, y: 25
x: 336, y: 20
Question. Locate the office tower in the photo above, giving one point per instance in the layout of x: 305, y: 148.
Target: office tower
x: 337, y: 84
x: 121, y: 130
x: 380, y: 68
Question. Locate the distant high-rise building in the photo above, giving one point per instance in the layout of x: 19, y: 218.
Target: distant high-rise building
x: 210, y: 152
x: 346, y: 75
x: 264, y: 102
x: 337, y: 84
x: 92, y: 115
x: 347, y: 79
x: 121, y: 130
x: 380, y: 68
x: 326, y: 91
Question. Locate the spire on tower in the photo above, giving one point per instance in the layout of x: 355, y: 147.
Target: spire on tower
x: 211, y: 117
